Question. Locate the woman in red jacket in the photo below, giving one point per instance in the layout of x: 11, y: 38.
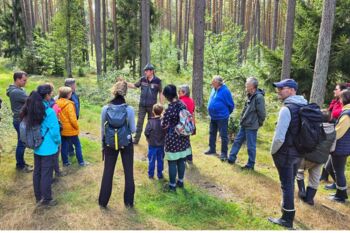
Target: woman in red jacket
x: 184, y: 96
x: 335, y: 108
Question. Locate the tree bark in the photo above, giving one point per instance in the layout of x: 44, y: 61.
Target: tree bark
x: 69, y: 41
x: 319, y: 83
x: 198, y: 52
x: 104, y: 35
x: 288, y: 42
x: 274, y: 30
x: 14, y: 16
x: 187, y: 25
x: 98, y: 36
x: 241, y: 22
x: 115, y: 32
x: 145, y: 33
x: 92, y: 28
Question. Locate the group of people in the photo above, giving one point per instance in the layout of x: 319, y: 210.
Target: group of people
x: 164, y: 143
x: 58, y: 122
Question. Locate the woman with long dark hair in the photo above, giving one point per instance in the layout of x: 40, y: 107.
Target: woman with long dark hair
x: 36, y: 112
x: 177, y: 147
x: 115, y: 140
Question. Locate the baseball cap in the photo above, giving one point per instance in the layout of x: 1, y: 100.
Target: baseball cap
x: 286, y: 83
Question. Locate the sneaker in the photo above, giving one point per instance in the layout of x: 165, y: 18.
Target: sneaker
x: 247, y: 168
x: 223, y: 159
x: 209, y: 152
x: 231, y: 161
x: 160, y: 177
x: 172, y: 189
x: 48, y: 203
x: 336, y: 199
x: 67, y: 164
x: 25, y: 169
x: 180, y: 184
x: 84, y: 164
x: 330, y: 186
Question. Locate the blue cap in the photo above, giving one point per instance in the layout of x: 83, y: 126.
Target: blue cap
x: 286, y: 83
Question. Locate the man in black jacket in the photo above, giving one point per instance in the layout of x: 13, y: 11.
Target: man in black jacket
x: 252, y: 117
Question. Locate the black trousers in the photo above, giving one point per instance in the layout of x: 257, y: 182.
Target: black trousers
x: 42, y: 176
x: 141, y: 117
x: 111, y: 156
x: 338, y: 164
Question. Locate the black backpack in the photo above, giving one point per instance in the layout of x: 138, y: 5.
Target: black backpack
x: 310, y: 132
x: 116, y: 125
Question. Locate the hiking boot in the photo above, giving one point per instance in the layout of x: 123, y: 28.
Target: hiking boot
x: 286, y: 220
x: 301, y: 187
x: 324, y: 175
x: 48, y: 203
x: 180, y: 184
x: 67, y: 164
x: 247, y: 168
x: 332, y: 186
x: 231, y: 161
x: 340, y: 196
x: 209, y: 152
x: 309, y: 197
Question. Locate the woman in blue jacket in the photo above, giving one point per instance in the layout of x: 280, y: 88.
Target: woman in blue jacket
x: 36, y: 111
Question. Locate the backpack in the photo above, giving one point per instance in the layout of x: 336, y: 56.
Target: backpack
x: 186, y: 126
x: 310, y: 132
x: 117, y: 132
x: 31, y: 136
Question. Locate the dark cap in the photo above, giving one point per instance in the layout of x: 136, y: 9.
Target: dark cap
x: 286, y: 83
x: 149, y: 66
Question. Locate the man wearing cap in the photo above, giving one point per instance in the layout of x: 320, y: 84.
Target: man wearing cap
x: 284, y: 153
x: 151, y: 86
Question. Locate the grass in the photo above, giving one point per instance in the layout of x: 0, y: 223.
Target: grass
x: 216, y: 195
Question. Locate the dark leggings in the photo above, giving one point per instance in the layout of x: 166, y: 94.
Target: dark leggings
x: 176, y: 166
x: 110, y: 157
x: 339, y: 163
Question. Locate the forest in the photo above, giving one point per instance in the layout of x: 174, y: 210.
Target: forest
x: 188, y: 42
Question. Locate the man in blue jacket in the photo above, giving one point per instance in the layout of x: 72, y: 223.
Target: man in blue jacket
x: 220, y: 106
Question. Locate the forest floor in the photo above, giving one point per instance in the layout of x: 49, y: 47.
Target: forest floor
x: 216, y: 195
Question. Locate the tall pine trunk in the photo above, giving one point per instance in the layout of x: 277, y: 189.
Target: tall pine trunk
x: 318, y: 89
x: 92, y: 28
x: 274, y: 30
x: 98, y: 37
x: 69, y: 41
x: 115, y: 33
x: 145, y: 35
x: 198, y: 52
x: 187, y: 25
x: 288, y: 40
x: 104, y: 35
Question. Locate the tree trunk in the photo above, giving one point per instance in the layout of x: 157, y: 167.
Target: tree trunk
x: 69, y: 41
x: 187, y: 25
x: 288, y: 42
x: 198, y: 52
x: 43, y: 26
x: 319, y: 83
x: 214, y: 14
x: 115, y: 33
x: 274, y: 30
x: 98, y: 37
x: 27, y: 19
x: 241, y: 22
x: 14, y: 16
x: 104, y: 35
x: 92, y: 28
x: 36, y: 11
x: 145, y: 35
x: 32, y: 13
x: 85, y: 46
x: 169, y: 19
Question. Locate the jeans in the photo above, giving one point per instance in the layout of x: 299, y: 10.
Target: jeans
x: 176, y: 166
x: 248, y: 135
x: 20, y: 163
x: 42, y: 177
x: 73, y: 140
x: 287, y: 168
x: 222, y: 126
x: 141, y: 117
x: 338, y: 163
x: 155, y: 153
x: 111, y: 156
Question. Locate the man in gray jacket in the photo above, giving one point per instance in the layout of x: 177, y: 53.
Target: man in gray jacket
x: 17, y: 98
x: 252, y: 117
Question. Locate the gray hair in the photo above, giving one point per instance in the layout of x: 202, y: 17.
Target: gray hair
x: 185, y: 89
x: 218, y: 79
x: 253, y: 81
x: 69, y: 82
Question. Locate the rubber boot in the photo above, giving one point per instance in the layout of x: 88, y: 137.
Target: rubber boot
x: 286, y: 220
x: 310, y: 194
x: 340, y: 196
x: 324, y: 175
x: 301, y: 187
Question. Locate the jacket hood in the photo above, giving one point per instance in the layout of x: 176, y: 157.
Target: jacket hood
x: 258, y: 91
x: 10, y: 89
x: 62, y: 102
x: 295, y: 99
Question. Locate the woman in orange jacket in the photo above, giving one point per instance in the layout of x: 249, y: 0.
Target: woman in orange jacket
x: 70, y: 127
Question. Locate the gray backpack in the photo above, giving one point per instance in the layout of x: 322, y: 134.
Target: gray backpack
x: 31, y: 136
x: 117, y: 124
